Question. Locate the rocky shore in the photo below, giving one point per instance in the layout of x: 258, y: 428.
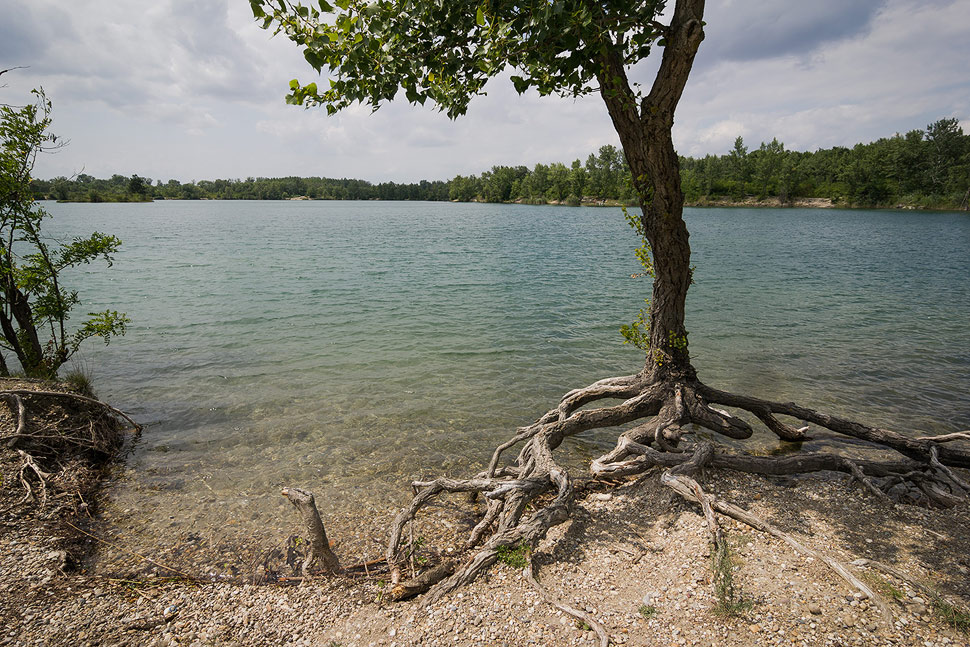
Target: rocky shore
x: 635, y: 557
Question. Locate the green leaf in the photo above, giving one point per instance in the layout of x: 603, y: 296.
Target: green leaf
x: 480, y: 17
x: 294, y: 84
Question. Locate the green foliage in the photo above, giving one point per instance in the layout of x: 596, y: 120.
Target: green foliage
x: 515, y: 556
x: 678, y: 342
x: 647, y: 611
x: 32, y: 298
x: 445, y: 52
x: 638, y: 333
x: 923, y: 169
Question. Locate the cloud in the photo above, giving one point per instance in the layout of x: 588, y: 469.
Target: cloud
x: 906, y: 69
x: 743, y: 31
x: 184, y: 89
x: 19, y: 46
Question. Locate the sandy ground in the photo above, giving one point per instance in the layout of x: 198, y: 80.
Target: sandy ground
x: 635, y: 557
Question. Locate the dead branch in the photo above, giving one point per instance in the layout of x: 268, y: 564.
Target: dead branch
x: 42, y: 476
x: 21, y: 430
x: 421, y: 583
x: 582, y: 616
x: 945, y: 438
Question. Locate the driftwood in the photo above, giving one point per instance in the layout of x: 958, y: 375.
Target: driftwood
x: 319, y: 554
x: 421, y: 583
x: 581, y: 616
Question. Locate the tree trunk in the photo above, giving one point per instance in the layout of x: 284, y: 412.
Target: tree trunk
x: 27, y: 343
x: 645, y: 135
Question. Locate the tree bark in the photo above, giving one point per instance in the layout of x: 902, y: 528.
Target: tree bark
x: 645, y: 135
x: 319, y: 553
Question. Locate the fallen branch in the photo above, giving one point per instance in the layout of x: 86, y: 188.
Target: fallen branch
x: 421, y: 583
x: 582, y: 616
x: 946, y: 438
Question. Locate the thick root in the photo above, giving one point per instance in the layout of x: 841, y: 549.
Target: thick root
x: 666, y: 409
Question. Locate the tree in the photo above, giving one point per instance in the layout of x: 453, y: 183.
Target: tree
x: 32, y: 297
x: 445, y: 52
x: 136, y: 186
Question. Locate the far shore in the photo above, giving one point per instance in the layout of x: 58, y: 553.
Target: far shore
x: 749, y: 202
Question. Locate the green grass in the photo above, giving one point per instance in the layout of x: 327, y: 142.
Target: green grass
x: 514, y: 556
x: 80, y: 381
x: 730, y: 601
x: 956, y: 617
x: 647, y: 610
x: 884, y: 587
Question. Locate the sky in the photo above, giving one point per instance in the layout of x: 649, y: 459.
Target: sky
x: 194, y: 89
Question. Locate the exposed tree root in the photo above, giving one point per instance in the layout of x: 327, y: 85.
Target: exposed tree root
x: 534, y: 493
x: 50, y: 428
x: 688, y: 488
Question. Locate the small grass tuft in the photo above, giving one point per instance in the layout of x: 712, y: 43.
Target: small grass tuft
x: 80, y: 381
x: 956, y: 617
x: 884, y: 587
x: 647, y: 611
x: 514, y: 556
x: 730, y: 601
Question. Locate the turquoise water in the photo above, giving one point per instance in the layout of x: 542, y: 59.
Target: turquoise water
x: 350, y: 346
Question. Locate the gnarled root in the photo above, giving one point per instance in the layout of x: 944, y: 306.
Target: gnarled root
x: 582, y: 616
x: 534, y: 493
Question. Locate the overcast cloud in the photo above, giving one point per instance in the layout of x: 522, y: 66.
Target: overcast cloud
x: 194, y: 90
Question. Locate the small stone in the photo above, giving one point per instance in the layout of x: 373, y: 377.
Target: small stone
x: 814, y: 609
x: 603, y: 496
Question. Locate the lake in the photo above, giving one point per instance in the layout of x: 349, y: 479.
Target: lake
x: 348, y: 347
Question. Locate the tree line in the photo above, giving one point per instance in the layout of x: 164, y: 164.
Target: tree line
x: 924, y: 168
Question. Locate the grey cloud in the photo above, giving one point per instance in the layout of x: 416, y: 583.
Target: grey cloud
x: 21, y: 41
x: 744, y: 31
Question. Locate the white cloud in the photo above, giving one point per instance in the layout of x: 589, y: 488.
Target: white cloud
x: 189, y: 90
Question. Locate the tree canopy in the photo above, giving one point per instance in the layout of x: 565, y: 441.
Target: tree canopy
x: 445, y: 52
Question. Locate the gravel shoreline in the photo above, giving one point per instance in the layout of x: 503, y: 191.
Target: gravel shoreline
x: 635, y: 557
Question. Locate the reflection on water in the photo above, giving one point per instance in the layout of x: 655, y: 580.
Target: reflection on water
x: 348, y: 347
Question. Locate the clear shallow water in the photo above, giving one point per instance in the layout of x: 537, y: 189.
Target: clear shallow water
x: 348, y: 347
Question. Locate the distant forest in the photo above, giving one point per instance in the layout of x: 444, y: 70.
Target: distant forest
x: 922, y: 169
